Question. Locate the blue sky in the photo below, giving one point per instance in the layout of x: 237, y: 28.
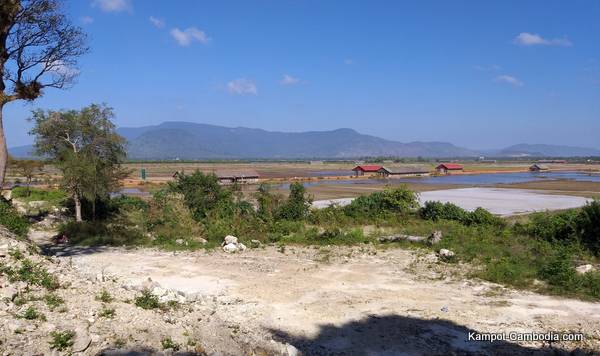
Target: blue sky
x: 479, y: 74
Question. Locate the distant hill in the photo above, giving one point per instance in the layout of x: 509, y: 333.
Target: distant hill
x: 190, y: 141
x: 539, y: 150
x: 186, y: 140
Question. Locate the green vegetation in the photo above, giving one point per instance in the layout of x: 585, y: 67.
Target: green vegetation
x: 106, y: 312
x: 53, y: 301
x: 55, y: 197
x: 147, y: 300
x: 31, y: 273
x: 104, y: 297
x: 31, y: 314
x: 169, y: 344
x: 62, y: 340
x: 12, y: 220
x: 433, y: 210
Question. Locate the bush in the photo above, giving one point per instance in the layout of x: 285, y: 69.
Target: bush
x: 560, y: 226
x: 94, y: 233
x: 434, y: 210
x: 588, y: 226
x: 297, y: 205
x: 31, y: 273
x: 12, y: 220
x: 201, y: 193
x: 147, y: 300
x: 392, y: 201
x: 62, y: 340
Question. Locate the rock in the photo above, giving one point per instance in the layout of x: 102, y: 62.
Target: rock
x: 583, y: 269
x: 8, y: 292
x: 3, y: 250
x: 179, y: 241
x: 446, y: 254
x: 82, y: 340
x: 395, y: 238
x: 36, y: 204
x: 435, y: 237
x: 255, y: 243
x: 291, y: 350
x: 241, y: 247
x: 229, y: 239
x: 159, y: 292
x: 149, y: 284
x: 201, y: 240
x: 230, y: 248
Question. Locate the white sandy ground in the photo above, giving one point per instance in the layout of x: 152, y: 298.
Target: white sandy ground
x: 354, y: 300
x: 499, y: 201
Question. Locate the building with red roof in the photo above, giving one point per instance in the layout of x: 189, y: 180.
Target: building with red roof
x: 446, y: 168
x: 368, y: 169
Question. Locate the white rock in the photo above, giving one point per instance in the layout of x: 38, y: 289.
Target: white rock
x: 230, y: 248
x: 158, y: 291
x: 446, y: 253
x: 229, y: 239
x: 291, y: 350
x: 435, y: 237
x: 8, y: 292
x: 179, y: 241
x: 241, y: 247
x: 583, y: 269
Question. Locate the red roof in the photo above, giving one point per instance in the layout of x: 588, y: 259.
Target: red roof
x: 367, y: 168
x: 450, y: 166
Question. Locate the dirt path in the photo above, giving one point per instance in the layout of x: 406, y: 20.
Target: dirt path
x: 352, y: 300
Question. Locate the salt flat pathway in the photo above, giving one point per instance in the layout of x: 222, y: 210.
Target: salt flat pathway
x: 500, y: 201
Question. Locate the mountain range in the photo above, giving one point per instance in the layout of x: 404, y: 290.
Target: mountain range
x: 189, y: 141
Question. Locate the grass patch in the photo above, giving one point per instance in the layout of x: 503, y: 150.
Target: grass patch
x: 62, y: 340
x: 12, y: 220
x: 31, y: 273
x: 147, y: 300
x: 108, y: 313
x: 169, y: 344
x: 54, y: 196
x: 31, y: 314
x: 104, y: 297
x: 53, y: 301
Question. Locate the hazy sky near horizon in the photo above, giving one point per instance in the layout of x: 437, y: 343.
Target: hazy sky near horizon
x: 479, y: 74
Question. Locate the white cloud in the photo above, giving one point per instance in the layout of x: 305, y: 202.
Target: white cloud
x: 509, y: 80
x: 86, y: 20
x: 533, y: 39
x: 113, y: 5
x: 156, y: 22
x: 289, y: 80
x: 242, y: 86
x: 62, y: 69
x: 189, y: 35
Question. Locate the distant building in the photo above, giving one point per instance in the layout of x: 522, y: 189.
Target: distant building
x: 402, y: 172
x: 369, y: 170
x: 237, y: 176
x: 446, y: 168
x: 539, y: 168
x: 562, y: 161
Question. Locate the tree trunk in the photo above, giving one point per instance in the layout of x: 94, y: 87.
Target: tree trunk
x: 77, y: 208
x: 3, y: 150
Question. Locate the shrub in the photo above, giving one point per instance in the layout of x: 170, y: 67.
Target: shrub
x: 31, y: 273
x: 108, y: 313
x: 92, y: 233
x: 32, y: 314
x: 53, y: 301
x: 169, y: 344
x: 297, y: 205
x: 434, y: 210
x: 399, y: 200
x: 170, y: 219
x: 62, y: 340
x: 588, y: 226
x: 12, y: 220
x: 147, y: 300
x: 54, y: 196
x: 104, y: 296
x: 560, y: 226
x: 202, y: 193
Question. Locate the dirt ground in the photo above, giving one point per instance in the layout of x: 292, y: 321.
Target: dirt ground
x: 354, y: 301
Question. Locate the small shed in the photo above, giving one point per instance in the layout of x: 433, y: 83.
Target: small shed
x: 539, y: 168
x: 247, y: 176
x: 402, y: 172
x: 365, y: 169
x: 446, y: 168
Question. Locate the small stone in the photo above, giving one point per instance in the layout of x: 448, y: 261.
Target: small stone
x: 230, y: 248
x: 8, y: 292
x: 82, y: 340
x: 229, y: 239
x: 255, y: 243
x: 241, y: 247
x: 291, y: 350
x: 583, y: 269
x: 179, y: 241
x: 446, y: 254
x: 435, y: 237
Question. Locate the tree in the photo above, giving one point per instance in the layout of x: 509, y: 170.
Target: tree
x: 39, y: 49
x: 28, y: 168
x: 85, y: 147
x: 297, y: 205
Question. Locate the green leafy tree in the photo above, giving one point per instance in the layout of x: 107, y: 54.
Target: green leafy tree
x: 588, y: 223
x: 39, y: 48
x: 297, y: 205
x: 202, y: 193
x: 85, y: 147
